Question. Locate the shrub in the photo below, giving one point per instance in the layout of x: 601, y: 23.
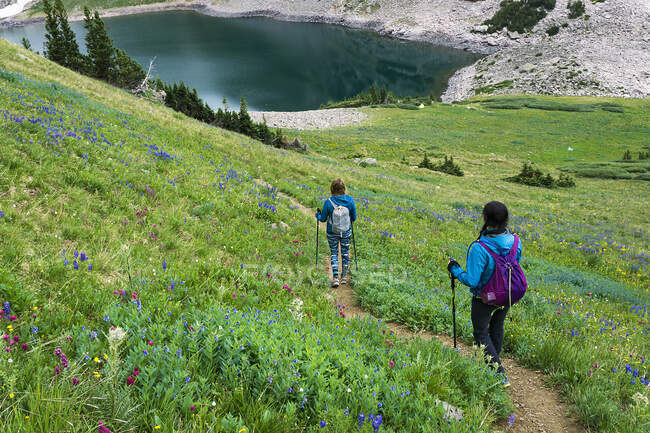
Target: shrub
x: 490, y: 88
x: 627, y: 155
x: 532, y: 176
x: 576, y: 9
x: 519, y: 16
x: 553, y: 30
x: 447, y: 166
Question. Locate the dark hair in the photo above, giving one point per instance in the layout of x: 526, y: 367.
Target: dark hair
x: 337, y: 187
x: 495, y: 214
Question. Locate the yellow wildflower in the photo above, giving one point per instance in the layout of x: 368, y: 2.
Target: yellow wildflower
x: 11, y: 395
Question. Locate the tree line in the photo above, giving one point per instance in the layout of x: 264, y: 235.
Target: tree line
x: 110, y: 64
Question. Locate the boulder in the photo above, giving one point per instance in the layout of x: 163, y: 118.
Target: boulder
x: 368, y: 161
x: 480, y: 29
x: 527, y: 67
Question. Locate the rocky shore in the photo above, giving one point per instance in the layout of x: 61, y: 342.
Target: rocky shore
x: 312, y: 119
x: 606, y: 52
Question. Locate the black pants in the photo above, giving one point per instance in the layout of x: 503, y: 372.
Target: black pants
x: 488, y: 328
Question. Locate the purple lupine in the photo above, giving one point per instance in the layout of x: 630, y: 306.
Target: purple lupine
x: 7, y: 308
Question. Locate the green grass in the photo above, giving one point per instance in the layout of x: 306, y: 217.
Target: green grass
x: 129, y: 207
x: 76, y: 6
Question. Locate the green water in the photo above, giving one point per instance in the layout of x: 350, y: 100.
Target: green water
x: 275, y: 65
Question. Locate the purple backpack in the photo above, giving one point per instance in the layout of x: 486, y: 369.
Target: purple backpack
x: 507, y: 284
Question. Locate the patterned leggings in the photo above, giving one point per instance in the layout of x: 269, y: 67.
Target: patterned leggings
x: 334, y: 240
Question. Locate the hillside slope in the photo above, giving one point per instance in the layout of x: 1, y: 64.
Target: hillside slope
x: 117, y: 212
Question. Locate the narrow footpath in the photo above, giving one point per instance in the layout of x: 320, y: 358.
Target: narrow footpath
x: 538, y: 408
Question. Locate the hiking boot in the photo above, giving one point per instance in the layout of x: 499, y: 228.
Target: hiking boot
x: 344, y: 279
x: 335, y: 282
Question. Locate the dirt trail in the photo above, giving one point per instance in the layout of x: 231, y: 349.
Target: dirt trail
x: 538, y: 408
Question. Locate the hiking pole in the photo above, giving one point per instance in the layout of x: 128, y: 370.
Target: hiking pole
x: 453, y: 304
x: 354, y: 244
x: 317, y: 224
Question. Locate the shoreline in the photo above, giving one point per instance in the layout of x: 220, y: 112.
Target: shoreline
x: 586, y: 58
x: 377, y: 26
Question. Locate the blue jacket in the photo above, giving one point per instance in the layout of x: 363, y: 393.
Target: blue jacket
x: 340, y: 200
x: 480, y: 265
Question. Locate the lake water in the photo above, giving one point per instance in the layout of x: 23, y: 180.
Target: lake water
x: 276, y: 65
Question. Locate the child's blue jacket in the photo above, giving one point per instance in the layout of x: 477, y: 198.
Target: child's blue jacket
x: 480, y: 265
x: 339, y: 200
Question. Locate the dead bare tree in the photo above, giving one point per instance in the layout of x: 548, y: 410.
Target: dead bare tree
x: 143, y: 86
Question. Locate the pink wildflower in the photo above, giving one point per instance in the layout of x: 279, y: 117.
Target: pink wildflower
x: 102, y: 429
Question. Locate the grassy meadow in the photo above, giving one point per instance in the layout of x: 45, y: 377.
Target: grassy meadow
x: 144, y: 287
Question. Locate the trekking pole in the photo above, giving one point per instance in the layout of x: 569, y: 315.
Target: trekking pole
x: 354, y: 244
x: 317, y: 224
x: 453, y: 304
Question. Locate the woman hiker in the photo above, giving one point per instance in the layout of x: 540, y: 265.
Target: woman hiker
x: 488, y: 320
x: 340, y: 213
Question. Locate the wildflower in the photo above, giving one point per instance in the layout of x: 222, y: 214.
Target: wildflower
x: 391, y: 363
x: 7, y: 308
x: 25, y: 347
x: 75, y: 381
x: 157, y: 427
x: 56, y: 370
x: 12, y: 318
x: 511, y: 420
x: 323, y: 424
x: 96, y: 359
x: 75, y: 265
x: 243, y: 430
x: 11, y: 395
x: 102, y: 429
x: 130, y: 381
x: 164, y: 265
x: 192, y: 407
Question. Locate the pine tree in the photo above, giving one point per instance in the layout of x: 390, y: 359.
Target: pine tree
x: 383, y: 96
x: 374, y: 97
x: 99, y: 45
x: 128, y: 73
x: 73, y: 58
x: 26, y: 44
x: 54, y: 43
x: 245, y: 121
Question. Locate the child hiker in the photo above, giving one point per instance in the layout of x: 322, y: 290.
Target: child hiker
x: 340, y: 212
x: 494, y: 278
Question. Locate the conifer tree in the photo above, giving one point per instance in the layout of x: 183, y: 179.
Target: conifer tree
x: 73, y: 58
x: 245, y: 121
x: 101, y: 54
x: 26, y: 44
x: 127, y: 73
x: 54, y: 43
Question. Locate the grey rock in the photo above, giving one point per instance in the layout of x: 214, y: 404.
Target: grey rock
x: 368, y: 161
x: 527, y: 67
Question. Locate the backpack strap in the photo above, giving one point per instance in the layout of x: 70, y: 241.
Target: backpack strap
x: 515, y: 247
x: 330, y: 200
x: 488, y: 249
